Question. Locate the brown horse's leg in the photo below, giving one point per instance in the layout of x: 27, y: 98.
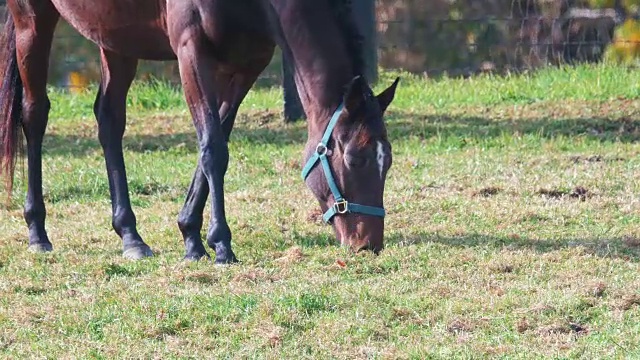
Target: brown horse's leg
x: 110, y: 110
x: 34, y: 26
x: 196, y: 65
x: 232, y: 89
x: 190, y: 217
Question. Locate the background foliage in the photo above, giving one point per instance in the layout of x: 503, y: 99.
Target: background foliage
x: 459, y: 37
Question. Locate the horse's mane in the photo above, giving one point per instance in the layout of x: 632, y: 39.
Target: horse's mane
x: 342, y: 9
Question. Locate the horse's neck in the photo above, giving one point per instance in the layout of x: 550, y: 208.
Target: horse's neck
x: 322, y: 66
x: 320, y: 92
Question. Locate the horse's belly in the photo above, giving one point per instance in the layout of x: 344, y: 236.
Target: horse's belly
x: 134, y: 28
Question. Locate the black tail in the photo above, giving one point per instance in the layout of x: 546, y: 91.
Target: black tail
x: 10, y: 104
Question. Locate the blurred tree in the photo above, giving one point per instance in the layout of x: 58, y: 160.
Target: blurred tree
x: 626, y: 43
x: 458, y: 37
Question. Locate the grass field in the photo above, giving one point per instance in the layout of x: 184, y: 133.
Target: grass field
x: 512, y: 232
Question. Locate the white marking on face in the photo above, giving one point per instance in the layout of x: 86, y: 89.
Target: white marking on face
x: 380, y: 157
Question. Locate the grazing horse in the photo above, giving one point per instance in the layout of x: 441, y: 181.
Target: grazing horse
x: 221, y: 47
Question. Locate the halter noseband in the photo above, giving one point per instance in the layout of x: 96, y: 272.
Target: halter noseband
x: 341, y: 206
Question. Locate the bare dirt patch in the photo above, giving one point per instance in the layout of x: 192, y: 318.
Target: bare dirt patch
x: 628, y: 301
x: 290, y: 256
x: 577, y: 159
x: 461, y: 325
x: 487, y: 191
x: 579, y: 192
x: 563, y: 328
x: 598, y: 289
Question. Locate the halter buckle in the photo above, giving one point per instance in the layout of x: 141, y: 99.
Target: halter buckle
x: 341, y: 206
x: 321, y: 149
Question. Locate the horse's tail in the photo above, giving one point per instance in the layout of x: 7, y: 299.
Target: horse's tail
x: 10, y: 104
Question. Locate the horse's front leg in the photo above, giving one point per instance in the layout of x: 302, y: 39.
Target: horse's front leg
x: 196, y: 66
x: 110, y: 109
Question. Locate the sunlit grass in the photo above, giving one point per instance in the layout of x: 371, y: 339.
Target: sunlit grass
x: 512, y: 232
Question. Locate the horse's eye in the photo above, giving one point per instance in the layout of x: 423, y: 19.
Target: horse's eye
x: 357, y: 160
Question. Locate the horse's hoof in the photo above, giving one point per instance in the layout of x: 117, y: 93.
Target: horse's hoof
x: 138, y: 253
x: 227, y: 260
x: 197, y: 257
x: 40, y: 248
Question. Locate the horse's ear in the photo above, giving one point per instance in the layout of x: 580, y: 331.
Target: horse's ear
x: 355, y: 94
x: 386, y: 97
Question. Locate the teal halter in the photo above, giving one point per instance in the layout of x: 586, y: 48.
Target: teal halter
x: 341, y: 206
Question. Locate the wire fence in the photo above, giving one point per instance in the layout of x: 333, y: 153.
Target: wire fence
x: 456, y: 37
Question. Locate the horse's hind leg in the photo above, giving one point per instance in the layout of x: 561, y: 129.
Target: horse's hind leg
x: 232, y: 88
x: 34, y: 26
x: 118, y: 73
x: 197, y: 63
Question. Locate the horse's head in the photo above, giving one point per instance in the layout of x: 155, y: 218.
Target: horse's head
x: 346, y: 165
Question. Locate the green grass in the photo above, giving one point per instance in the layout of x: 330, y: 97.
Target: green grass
x: 512, y: 232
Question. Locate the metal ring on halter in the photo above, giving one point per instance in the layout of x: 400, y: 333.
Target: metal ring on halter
x: 321, y: 149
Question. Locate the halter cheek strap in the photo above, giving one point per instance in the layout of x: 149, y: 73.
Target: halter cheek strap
x: 341, y: 206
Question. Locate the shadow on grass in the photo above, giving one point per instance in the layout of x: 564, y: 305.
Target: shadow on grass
x: 401, y: 125
x: 77, y: 146
x: 622, y: 248
x: 315, y: 241
x: 626, y: 247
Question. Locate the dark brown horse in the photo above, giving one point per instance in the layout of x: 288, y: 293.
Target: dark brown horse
x: 221, y: 46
